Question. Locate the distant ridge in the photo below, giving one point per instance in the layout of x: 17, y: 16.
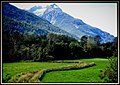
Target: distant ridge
x: 74, y: 26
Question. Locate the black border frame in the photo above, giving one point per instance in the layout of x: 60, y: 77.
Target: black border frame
x: 61, y: 1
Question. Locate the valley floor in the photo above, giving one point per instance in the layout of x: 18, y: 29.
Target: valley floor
x: 87, y: 75
x: 19, y: 71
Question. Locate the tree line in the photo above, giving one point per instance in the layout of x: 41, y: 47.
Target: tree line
x: 17, y: 46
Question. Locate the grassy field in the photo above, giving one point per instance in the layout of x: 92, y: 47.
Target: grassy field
x: 86, y: 75
x: 83, y: 75
x: 12, y: 69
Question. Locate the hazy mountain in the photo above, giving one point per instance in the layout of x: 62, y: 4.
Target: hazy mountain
x: 64, y: 21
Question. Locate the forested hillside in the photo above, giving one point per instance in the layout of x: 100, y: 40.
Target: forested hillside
x: 26, y: 22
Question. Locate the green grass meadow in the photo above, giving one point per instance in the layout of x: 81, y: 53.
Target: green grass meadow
x: 90, y: 74
x: 86, y: 75
x: 12, y: 69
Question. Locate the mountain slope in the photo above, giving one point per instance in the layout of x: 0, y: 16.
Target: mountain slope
x: 74, y: 26
x: 13, y: 25
x: 27, y: 21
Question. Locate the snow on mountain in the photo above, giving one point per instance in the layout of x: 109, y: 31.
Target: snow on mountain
x: 39, y: 11
x: 15, y: 19
x: 54, y: 6
x: 74, y: 26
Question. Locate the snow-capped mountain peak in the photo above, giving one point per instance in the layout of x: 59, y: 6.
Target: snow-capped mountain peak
x: 54, y: 6
x: 74, y: 26
x: 39, y: 10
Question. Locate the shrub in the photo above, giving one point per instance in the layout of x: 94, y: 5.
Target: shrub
x: 110, y: 74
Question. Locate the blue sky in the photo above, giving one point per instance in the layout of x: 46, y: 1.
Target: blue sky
x: 100, y: 15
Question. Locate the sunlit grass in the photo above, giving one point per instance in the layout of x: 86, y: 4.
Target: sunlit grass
x: 22, y: 69
x: 12, y: 69
x: 90, y: 74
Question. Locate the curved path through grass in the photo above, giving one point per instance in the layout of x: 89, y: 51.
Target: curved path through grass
x: 12, y: 70
x: 30, y: 71
x: 86, y: 75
